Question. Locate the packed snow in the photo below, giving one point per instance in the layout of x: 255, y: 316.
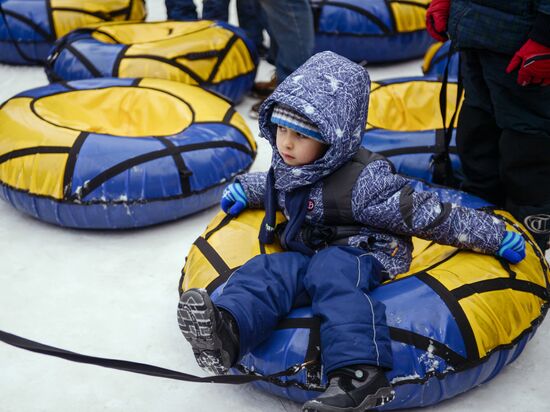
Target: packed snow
x: 114, y: 294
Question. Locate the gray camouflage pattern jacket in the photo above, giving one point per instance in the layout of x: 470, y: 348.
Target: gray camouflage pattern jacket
x: 333, y: 93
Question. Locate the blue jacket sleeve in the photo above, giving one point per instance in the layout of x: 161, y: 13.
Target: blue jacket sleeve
x: 254, y: 187
x: 384, y: 200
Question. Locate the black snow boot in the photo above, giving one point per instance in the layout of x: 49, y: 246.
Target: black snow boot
x: 212, y: 333
x: 355, y: 388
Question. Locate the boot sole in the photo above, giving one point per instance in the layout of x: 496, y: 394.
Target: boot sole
x: 372, y: 401
x: 198, y: 325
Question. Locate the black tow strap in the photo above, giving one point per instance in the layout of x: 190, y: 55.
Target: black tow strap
x: 443, y: 170
x: 145, y: 369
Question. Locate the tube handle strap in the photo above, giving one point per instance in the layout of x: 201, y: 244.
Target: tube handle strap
x: 443, y: 171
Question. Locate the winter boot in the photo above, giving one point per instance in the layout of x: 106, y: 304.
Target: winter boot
x: 212, y: 333
x: 355, y: 388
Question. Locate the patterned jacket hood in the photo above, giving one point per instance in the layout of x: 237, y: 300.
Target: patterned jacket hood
x: 333, y: 93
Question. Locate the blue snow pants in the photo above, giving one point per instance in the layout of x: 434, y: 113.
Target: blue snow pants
x: 336, y: 280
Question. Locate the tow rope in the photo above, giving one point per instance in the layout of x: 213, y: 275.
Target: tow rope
x: 151, y: 370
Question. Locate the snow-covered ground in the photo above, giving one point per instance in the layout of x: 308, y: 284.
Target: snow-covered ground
x: 114, y: 294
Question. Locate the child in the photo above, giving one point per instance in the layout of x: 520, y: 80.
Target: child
x: 350, y: 222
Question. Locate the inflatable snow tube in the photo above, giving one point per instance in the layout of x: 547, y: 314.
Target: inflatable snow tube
x: 373, y: 30
x: 28, y: 28
x: 213, y: 55
x: 405, y: 125
x: 435, y: 61
x: 119, y: 153
x: 456, y: 318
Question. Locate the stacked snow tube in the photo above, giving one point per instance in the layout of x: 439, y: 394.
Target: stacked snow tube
x: 119, y: 153
x: 436, y: 58
x: 28, y: 28
x: 373, y: 30
x: 456, y: 318
x: 213, y: 55
x: 405, y: 124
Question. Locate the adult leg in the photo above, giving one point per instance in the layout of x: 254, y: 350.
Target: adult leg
x: 181, y: 10
x: 215, y: 10
x: 249, y: 13
x: 290, y: 23
x: 478, y: 135
x: 523, y: 112
x: 525, y: 170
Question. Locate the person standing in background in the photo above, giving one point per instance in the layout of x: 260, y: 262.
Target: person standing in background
x: 503, y: 133
x: 292, y: 36
x: 181, y: 10
x: 289, y: 24
x: 248, y: 11
x: 249, y: 14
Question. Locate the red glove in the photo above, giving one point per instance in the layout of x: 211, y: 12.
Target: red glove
x: 533, y: 60
x: 436, y: 19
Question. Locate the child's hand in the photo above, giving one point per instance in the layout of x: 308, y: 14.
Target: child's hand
x: 234, y: 199
x: 512, y: 247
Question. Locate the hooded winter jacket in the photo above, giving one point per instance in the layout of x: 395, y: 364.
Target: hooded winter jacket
x: 501, y: 26
x: 333, y: 93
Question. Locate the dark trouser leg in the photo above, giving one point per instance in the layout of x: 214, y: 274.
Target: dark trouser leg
x: 525, y: 169
x: 290, y: 24
x: 477, y: 142
x: 523, y: 113
x: 353, y: 324
x: 478, y: 135
x: 261, y: 293
x: 181, y: 10
x: 251, y: 21
x: 215, y: 10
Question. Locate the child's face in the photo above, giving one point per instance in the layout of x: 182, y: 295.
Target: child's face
x: 297, y: 149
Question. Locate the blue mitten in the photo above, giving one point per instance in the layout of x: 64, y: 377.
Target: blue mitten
x: 512, y: 247
x: 234, y: 199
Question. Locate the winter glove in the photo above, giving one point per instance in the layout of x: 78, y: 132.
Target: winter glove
x: 234, y: 199
x: 512, y: 247
x: 437, y: 16
x: 533, y: 60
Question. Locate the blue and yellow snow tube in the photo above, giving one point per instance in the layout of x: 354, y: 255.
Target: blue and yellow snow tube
x: 373, y: 30
x: 456, y: 318
x: 405, y: 125
x: 213, y: 55
x: 28, y: 28
x: 119, y: 153
x: 438, y: 56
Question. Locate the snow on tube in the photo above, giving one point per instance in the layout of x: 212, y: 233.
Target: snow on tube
x: 213, y: 55
x: 119, y: 153
x: 436, y: 59
x: 405, y: 124
x: 28, y: 28
x: 456, y: 318
x: 373, y: 30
